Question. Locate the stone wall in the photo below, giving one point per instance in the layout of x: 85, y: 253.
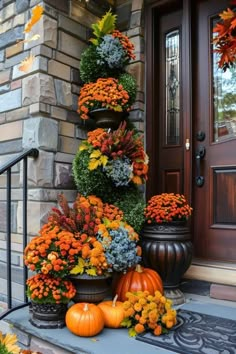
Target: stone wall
x: 38, y: 107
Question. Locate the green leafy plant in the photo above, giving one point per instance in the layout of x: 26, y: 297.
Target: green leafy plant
x: 104, y: 26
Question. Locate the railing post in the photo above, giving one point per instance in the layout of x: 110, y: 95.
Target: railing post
x: 8, y: 241
x: 25, y: 196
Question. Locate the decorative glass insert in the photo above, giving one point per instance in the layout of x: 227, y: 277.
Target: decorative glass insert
x: 172, y: 128
x: 224, y: 99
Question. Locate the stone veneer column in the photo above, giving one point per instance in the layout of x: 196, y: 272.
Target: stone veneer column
x: 38, y: 109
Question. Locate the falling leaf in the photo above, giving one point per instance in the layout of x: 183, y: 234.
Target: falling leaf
x: 36, y: 15
x: 94, y: 340
x: 33, y: 38
x: 27, y: 63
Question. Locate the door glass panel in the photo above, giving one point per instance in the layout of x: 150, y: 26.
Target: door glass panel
x: 224, y: 100
x: 172, y: 84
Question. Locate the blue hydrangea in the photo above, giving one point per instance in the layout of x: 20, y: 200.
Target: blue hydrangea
x: 111, y: 52
x: 120, y: 171
x: 121, y: 252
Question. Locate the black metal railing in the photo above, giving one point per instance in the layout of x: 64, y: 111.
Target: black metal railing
x: 7, y: 167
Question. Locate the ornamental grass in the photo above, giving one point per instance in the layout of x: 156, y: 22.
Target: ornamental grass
x: 145, y: 312
x: 167, y: 207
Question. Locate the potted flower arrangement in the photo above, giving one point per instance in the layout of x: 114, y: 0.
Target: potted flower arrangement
x: 108, y: 92
x: 166, y: 240
x: 81, y: 240
x: 225, y: 38
x: 49, y: 296
x: 166, y: 208
x: 146, y: 312
x: 112, y: 165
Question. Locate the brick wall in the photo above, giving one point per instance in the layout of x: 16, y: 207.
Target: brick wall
x: 38, y: 108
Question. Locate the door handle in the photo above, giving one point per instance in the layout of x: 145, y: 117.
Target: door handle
x: 201, y: 151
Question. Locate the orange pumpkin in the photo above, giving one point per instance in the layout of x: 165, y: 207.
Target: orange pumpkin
x: 113, y: 312
x: 138, y: 279
x: 85, y: 320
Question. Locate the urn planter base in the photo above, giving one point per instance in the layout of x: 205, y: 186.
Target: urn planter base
x: 167, y: 248
x: 48, y: 316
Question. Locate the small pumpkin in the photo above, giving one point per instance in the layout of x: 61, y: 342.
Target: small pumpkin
x: 85, y: 320
x: 113, y: 312
x: 138, y: 279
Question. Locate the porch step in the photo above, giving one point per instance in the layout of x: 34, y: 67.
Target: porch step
x: 223, y: 292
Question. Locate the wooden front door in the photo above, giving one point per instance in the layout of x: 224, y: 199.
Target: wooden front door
x: 191, y: 122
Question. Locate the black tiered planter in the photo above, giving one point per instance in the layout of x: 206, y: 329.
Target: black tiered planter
x: 167, y: 248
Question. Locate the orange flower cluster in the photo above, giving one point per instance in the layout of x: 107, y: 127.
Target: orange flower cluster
x: 118, y: 144
x: 104, y: 93
x: 147, y: 312
x: 69, y: 238
x: 54, y: 252
x: 43, y: 288
x: 167, y: 207
x: 225, y: 40
x: 125, y: 42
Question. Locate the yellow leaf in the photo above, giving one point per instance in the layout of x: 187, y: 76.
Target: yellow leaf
x: 104, y: 160
x: 93, y: 164
x: 95, y: 154
x: 104, y: 26
x: 79, y: 268
x: 132, y: 332
x: 36, y: 15
x: 83, y: 147
x: 27, y: 63
x: 91, y: 271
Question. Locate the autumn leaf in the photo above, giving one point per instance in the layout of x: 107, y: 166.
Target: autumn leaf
x: 227, y: 15
x: 233, y: 23
x: 91, y: 271
x: 95, y: 154
x: 36, y: 15
x: 104, y: 160
x: 83, y: 147
x: 93, y: 164
x: 27, y: 63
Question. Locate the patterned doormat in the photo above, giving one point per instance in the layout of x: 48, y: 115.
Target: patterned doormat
x: 197, y: 333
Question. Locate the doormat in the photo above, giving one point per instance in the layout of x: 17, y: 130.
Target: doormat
x: 197, y: 333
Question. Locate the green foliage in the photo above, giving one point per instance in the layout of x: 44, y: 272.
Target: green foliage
x: 132, y: 204
x: 129, y: 199
x: 105, y: 26
x: 90, y: 71
x: 130, y: 85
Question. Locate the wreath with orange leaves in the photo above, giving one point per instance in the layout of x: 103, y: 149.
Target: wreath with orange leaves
x: 225, y: 39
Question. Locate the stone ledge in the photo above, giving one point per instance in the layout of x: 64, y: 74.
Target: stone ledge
x: 61, y: 341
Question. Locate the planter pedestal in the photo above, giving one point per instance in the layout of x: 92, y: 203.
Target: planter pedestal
x: 167, y: 248
x: 48, y: 315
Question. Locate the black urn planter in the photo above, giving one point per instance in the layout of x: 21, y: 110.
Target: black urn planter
x: 92, y: 289
x: 107, y: 118
x: 168, y: 249
x: 48, y: 315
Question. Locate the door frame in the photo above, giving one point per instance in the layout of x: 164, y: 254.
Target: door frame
x: 151, y: 14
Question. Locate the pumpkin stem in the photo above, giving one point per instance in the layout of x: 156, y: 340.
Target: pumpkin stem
x: 139, y: 268
x: 86, y: 308
x: 114, y: 301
